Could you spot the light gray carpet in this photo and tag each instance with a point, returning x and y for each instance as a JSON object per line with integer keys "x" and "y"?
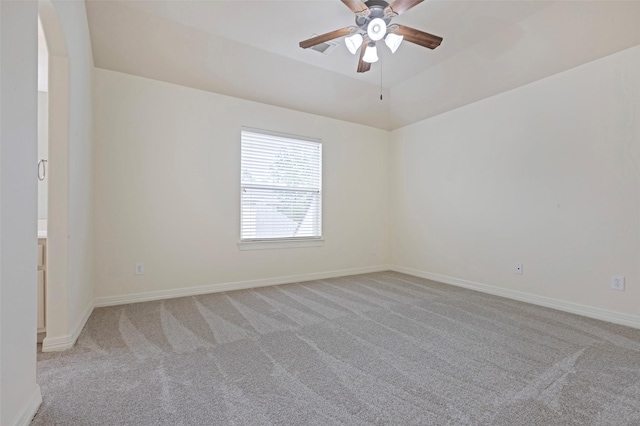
{"x": 381, "y": 348}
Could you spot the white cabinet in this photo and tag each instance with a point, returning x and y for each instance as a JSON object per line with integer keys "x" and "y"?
{"x": 42, "y": 285}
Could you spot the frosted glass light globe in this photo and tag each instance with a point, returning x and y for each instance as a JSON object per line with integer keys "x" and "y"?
{"x": 393, "y": 41}
{"x": 376, "y": 29}
{"x": 353, "y": 42}
{"x": 371, "y": 54}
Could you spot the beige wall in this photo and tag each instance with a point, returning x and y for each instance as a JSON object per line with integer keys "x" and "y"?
{"x": 73, "y": 18}
{"x": 19, "y": 393}
{"x": 70, "y": 229}
{"x": 547, "y": 174}
{"x": 167, "y": 163}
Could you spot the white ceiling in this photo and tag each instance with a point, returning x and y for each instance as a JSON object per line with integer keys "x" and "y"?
{"x": 249, "y": 49}
{"x": 278, "y": 26}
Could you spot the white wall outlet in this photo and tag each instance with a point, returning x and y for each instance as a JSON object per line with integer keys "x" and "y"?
{"x": 139, "y": 269}
{"x": 374, "y": 250}
{"x": 617, "y": 282}
{"x": 518, "y": 269}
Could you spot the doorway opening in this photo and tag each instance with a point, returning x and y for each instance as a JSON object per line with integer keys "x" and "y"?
{"x": 43, "y": 159}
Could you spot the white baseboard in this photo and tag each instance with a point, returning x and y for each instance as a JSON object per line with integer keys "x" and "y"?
{"x": 66, "y": 342}
{"x": 237, "y": 285}
{"x": 30, "y": 409}
{"x": 548, "y": 302}
{"x": 62, "y": 343}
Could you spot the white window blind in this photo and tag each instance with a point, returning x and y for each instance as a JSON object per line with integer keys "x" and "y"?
{"x": 281, "y": 187}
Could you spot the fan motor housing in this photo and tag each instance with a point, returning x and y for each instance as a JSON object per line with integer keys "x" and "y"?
{"x": 376, "y": 8}
{"x": 376, "y": 3}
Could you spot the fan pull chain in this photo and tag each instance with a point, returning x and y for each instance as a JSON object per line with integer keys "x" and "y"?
{"x": 380, "y": 81}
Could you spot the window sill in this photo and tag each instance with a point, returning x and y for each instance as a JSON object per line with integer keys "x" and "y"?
{"x": 279, "y": 244}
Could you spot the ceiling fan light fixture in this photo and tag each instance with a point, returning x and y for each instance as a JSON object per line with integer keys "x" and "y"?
{"x": 373, "y": 23}
{"x": 393, "y": 41}
{"x": 370, "y": 54}
{"x": 376, "y": 29}
{"x": 353, "y": 42}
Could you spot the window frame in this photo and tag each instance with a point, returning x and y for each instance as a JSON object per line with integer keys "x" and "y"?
{"x": 282, "y": 242}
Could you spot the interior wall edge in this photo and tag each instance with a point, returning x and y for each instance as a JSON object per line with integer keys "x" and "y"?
{"x": 547, "y": 302}
{"x": 64, "y": 342}
{"x": 30, "y": 408}
{"x": 229, "y": 286}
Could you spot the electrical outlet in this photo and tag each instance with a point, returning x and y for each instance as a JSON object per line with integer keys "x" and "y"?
{"x": 518, "y": 269}
{"x": 139, "y": 269}
{"x": 617, "y": 282}
{"x": 374, "y": 250}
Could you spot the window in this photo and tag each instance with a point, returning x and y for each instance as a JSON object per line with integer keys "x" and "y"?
{"x": 281, "y": 187}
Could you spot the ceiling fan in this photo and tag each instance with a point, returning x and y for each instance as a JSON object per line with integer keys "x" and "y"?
{"x": 373, "y": 23}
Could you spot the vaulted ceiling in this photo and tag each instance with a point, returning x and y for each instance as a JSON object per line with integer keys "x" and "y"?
{"x": 249, "y": 50}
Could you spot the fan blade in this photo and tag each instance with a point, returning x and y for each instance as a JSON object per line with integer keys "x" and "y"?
{"x": 398, "y": 7}
{"x": 326, "y": 37}
{"x": 419, "y": 37}
{"x": 362, "y": 65}
{"x": 357, "y": 7}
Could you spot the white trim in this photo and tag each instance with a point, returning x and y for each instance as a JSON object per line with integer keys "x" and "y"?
{"x": 30, "y": 409}
{"x": 62, "y": 343}
{"x": 67, "y": 342}
{"x": 284, "y": 243}
{"x": 237, "y": 285}
{"x": 256, "y": 157}
{"x": 279, "y": 134}
{"x": 548, "y": 302}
